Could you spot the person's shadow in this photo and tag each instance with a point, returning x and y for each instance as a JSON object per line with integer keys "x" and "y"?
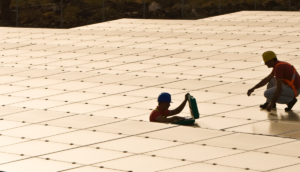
{"x": 282, "y": 116}
{"x": 196, "y": 125}
{"x": 285, "y": 122}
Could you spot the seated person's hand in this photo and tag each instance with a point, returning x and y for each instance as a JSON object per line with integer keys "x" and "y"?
{"x": 187, "y": 96}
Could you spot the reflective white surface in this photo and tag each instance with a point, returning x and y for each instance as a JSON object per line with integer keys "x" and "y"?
{"x": 79, "y": 99}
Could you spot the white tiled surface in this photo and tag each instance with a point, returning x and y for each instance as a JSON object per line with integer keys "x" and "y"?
{"x": 76, "y": 103}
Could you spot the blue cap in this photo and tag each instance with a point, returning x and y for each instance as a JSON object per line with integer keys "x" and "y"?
{"x": 164, "y": 97}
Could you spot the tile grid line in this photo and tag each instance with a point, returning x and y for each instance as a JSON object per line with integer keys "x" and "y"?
{"x": 87, "y": 144}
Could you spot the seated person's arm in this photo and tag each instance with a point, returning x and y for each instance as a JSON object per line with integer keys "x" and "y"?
{"x": 179, "y": 108}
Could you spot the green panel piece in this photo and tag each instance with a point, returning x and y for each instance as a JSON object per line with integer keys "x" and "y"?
{"x": 193, "y": 107}
{"x": 189, "y": 121}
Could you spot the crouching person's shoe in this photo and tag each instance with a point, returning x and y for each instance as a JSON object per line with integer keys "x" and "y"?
{"x": 264, "y": 106}
{"x": 291, "y": 104}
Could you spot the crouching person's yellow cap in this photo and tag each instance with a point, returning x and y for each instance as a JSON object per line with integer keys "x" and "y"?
{"x": 268, "y": 55}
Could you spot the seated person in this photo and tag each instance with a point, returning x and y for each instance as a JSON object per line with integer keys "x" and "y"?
{"x": 162, "y": 112}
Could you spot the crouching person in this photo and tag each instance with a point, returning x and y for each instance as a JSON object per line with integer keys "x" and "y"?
{"x": 163, "y": 114}
{"x": 283, "y": 83}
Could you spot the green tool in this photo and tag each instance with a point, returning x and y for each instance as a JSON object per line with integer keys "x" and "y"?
{"x": 194, "y": 113}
